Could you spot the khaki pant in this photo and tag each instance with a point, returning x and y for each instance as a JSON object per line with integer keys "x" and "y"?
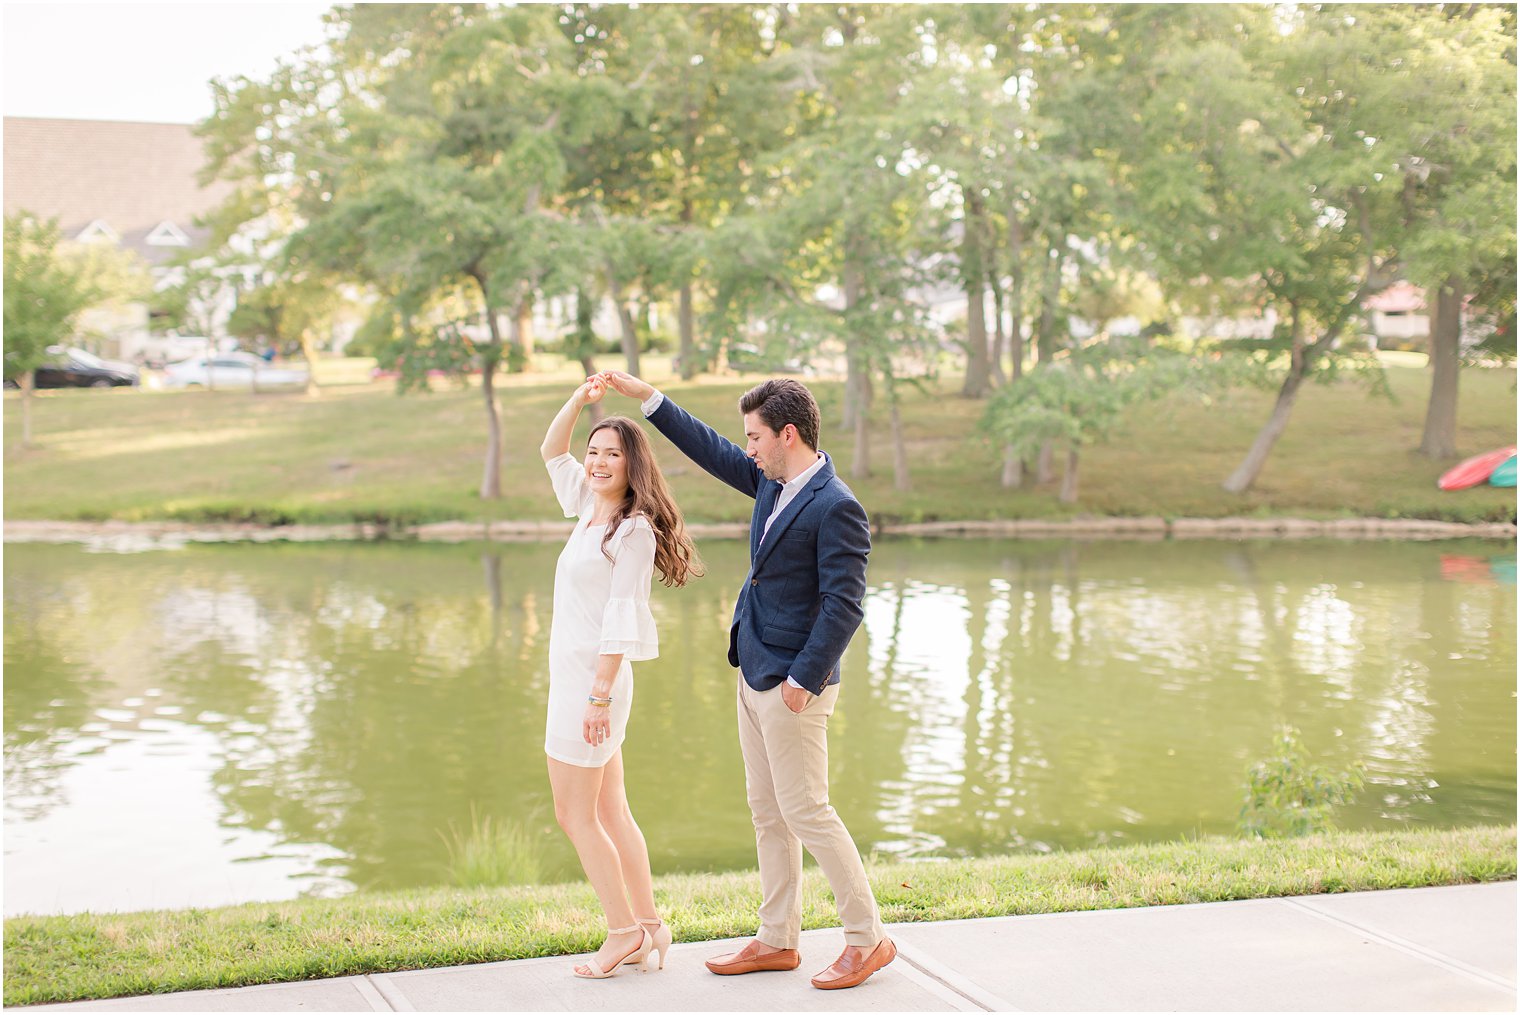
{"x": 786, "y": 773}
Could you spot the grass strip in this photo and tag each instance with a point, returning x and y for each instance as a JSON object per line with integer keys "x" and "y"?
{"x": 67, "y": 958}
{"x": 360, "y": 453}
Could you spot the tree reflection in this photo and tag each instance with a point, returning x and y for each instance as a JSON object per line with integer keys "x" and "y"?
{"x": 1001, "y": 695}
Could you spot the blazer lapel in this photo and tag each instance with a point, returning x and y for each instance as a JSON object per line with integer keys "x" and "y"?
{"x": 791, "y": 511}
{"x": 765, "y": 503}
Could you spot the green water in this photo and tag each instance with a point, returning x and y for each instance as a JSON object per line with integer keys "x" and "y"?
{"x": 225, "y": 723}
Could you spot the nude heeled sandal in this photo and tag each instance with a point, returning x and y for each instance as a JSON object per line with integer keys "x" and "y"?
{"x": 659, "y": 939}
{"x": 635, "y": 956}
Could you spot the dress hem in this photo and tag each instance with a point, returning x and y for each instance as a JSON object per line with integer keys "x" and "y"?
{"x": 581, "y": 764}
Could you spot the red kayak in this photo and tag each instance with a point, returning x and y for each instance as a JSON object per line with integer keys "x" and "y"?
{"x": 1475, "y": 470}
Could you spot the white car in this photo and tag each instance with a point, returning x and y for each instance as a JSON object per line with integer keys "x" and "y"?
{"x": 231, "y": 370}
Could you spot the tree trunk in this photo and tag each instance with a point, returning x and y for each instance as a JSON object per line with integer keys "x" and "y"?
{"x": 999, "y": 335}
{"x": 1013, "y": 469}
{"x": 28, "y": 385}
{"x": 630, "y": 331}
{"x": 520, "y": 355}
{"x": 973, "y": 276}
{"x": 1016, "y": 293}
{"x": 685, "y": 318}
{"x": 584, "y": 339}
{"x": 309, "y": 354}
{"x": 1045, "y": 469}
{"x": 856, "y": 386}
{"x": 688, "y": 351}
{"x": 1298, "y": 371}
{"x": 1440, "y": 437}
{"x": 901, "y": 481}
{"x": 1245, "y": 474}
{"x": 1069, "y": 478}
{"x": 860, "y": 466}
{"x": 490, "y": 480}
{"x": 1050, "y": 300}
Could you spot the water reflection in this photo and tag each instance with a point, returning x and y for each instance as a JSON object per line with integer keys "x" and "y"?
{"x": 222, "y": 723}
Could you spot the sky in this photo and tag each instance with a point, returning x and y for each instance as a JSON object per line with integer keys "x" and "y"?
{"x": 136, "y": 61}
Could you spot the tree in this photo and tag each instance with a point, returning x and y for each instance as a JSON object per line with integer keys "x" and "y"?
{"x": 1458, "y": 170}
{"x": 1080, "y": 400}
{"x": 422, "y": 158}
{"x": 830, "y": 248}
{"x": 290, "y": 309}
{"x": 49, "y": 284}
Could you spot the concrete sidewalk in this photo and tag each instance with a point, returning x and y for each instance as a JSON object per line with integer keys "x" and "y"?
{"x": 1422, "y": 949}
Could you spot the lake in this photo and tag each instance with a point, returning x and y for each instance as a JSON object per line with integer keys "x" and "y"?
{"x": 224, "y": 723}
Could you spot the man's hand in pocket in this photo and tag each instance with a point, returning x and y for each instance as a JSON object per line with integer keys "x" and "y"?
{"x": 796, "y": 698}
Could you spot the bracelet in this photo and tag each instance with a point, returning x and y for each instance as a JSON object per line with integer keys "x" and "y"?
{"x": 599, "y": 702}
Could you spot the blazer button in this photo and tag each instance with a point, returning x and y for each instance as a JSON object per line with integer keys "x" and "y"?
{"x": 754, "y": 581}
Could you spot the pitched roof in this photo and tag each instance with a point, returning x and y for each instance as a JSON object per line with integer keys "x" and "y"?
{"x": 1399, "y": 298}
{"x": 131, "y": 176}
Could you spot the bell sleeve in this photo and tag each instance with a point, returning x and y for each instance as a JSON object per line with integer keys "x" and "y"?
{"x": 627, "y": 625}
{"x": 570, "y": 486}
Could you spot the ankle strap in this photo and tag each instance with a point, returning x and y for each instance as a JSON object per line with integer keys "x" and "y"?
{"x": 652, "y": 920}
{"x": 624, "y": 930}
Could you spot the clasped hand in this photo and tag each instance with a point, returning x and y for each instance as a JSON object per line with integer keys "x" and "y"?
{"x": 594, "y": 387}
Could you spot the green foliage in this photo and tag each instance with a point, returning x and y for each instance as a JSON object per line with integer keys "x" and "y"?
{"x": 50, "y": 283}
{"x": 492, "y": 854}
{"x": 1288, "y": 795}
{"x": 43, "y": 297}
{"x": 1080, "y": 399}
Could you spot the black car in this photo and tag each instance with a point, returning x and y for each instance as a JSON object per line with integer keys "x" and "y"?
{"x": 74, "y": 368}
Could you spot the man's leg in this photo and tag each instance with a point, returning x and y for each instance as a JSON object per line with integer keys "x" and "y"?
{"x": 778, "y": 850}
{"x": 797, "y": 748}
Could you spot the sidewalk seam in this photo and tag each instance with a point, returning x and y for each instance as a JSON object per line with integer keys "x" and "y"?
{"x": 951, "y": 979}
{"x": 1394, "y": 941}
{"x": 388, "y": 993}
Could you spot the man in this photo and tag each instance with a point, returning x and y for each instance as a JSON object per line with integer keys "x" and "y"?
{"x": 796, "y": 611}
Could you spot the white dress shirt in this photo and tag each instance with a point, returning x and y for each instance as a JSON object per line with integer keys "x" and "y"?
{"x": 789, "y": 490}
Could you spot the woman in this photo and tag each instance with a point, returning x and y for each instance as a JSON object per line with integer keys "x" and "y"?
{"x": 628, "y": 526}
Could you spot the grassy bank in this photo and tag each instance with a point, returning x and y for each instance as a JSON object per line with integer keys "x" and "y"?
{"x": 73, "y": 957}
{"x": 361, "y": 452}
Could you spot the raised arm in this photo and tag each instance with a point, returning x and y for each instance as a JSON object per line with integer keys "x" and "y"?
{"x": 557, "y": 439}
{"x": 716, "y": 454}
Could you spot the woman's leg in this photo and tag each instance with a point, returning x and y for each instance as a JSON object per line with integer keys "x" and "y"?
{"x": 576, "y": 791}
{"x": 614, "y": 816}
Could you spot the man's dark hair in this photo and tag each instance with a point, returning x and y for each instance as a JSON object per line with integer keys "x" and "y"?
{"x": 782, "y": 401}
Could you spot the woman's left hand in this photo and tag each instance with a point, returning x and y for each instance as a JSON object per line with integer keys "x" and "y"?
{"x": 591, "y": 390}
{"x": 597, "y": 725}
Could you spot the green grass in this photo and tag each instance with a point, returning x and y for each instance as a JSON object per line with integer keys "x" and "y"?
{"x": 363, "y": 453}
{"x": 90, "y": 956}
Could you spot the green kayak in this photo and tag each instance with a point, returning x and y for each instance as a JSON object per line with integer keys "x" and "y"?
{"x": 1504, "y": 475}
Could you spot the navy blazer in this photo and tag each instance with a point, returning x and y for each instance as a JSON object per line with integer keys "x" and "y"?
{"x": 800, "y": 603}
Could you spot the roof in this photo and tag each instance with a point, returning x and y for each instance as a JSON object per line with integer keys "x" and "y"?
{"x": 1399, "y": 298}
{"x": 131, "y": 176}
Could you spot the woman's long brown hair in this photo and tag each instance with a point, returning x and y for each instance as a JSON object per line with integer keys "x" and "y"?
{"x": 675, "y": 556}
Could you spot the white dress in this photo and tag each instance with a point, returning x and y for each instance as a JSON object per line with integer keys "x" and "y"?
{"x": 600, "y": 607}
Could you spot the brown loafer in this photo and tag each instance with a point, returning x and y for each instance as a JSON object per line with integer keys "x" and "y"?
{"x": 851, "y": 970}
{"x": 750, "y": 959}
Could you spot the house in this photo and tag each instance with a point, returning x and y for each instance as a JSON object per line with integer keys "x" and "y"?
{"x": 1397, "y": 315}
{"x": 130, "y": 184}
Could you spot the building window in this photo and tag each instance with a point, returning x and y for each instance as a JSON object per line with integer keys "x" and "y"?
{"x": 167, "y": 234}
{"x": 97, "y": 230}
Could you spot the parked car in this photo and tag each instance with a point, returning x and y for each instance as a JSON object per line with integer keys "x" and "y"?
{"x": 67, "y": 367}
{"x": 161, "y": 350}
{"x": 231, "y": 370}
